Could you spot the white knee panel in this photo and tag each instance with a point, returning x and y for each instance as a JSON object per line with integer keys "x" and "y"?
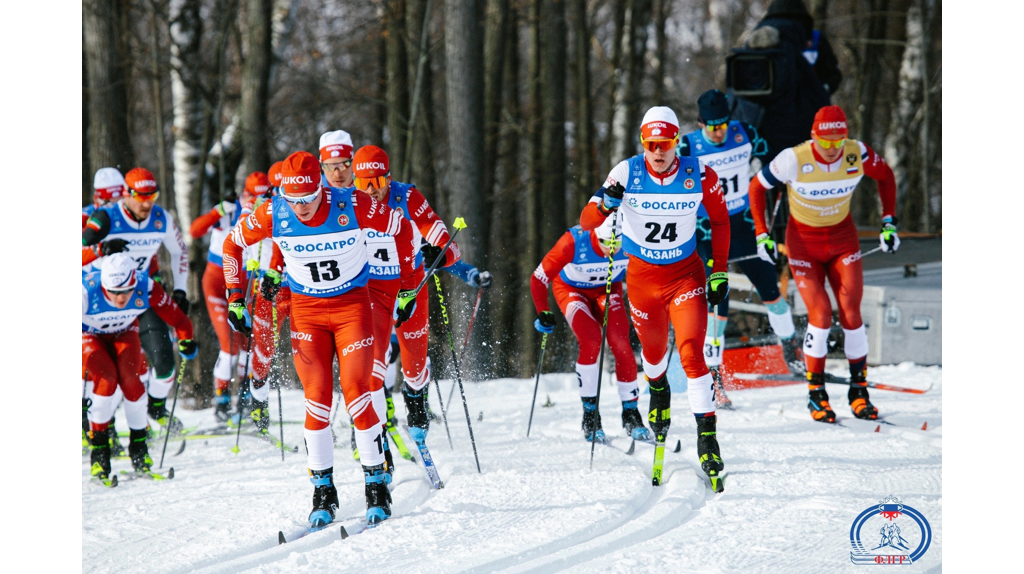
{"x": 701, "y": 392}
{"x": 587, "y": 377}
{"x": 816, "y": 342}
{"x": 856, "y": 345}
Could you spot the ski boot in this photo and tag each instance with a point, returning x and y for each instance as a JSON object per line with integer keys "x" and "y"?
{"x": 99, "y": 455}
{"x": 389, "y": 463}
{"x": 721, "y": 399}
{"x": 659, "y": 414}
{"x": 707, "y": 449}
{"x": 416, "y": 414}
{"x": 591, "y": 425}
{"x": 261, "y": 416}
{"x": 222, "y": 409}
{"x": 325, "y": 497}
{"x": 858, "y": 395}
{"x": 793, "y": 355}
{"x": 138, "y": 451}
{"x": 116, "y": 450}
{"x": 158, "y": 411}
{"x": 86, "y": 403}
{"x": 817, "y": 400}
{"x": 633, "y": 422}
{"x": 378, "y": 497}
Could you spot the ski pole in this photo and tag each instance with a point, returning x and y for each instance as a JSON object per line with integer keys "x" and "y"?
{"x": 181, "y": 371}
{"x": 459, "y": 224}
{"x": 604, "y": 330}
{"x": 280, "y": 408}
{"x": 536, "y": 383}
{"x": 250, "y": 294}
{"x": 444, "y": 414}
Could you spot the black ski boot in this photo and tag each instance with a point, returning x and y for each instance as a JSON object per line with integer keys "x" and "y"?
{"x": 138, "y": 451}
{"x": 416, "y": 414}
{"x": 86, "y": 403}
{"x": 158, "y": 411}
{"x": 100, "y": 454}
{"x": 793, "y": 355}
{"x": 659, "y": 412}
{"x": 389, "y": 463}
{"x": 261, "y": 416}
{"x": 116, "y": 450}
{"x": 707, "y": 449}
{"x": 633, "y": 422}
{"x": 378, "y": 497}
{"x": 591, "y": 426}
{"x": 858, "y": 395}
{"x": 817, "y": 399}
{"x": 222, "y": 405}
{"x": 325, "y": 497}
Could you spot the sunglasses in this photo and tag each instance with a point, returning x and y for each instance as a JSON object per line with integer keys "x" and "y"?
{"x": 116, "y": 292}
{"x": 660, "y": 145}
{"x": 825, "y": 144}
{"x": 302, "y": 199}
{"x": 342, "y": 165}
{"x": 379, "y": 182}
{"x": 715, "y": 128}
{"x": 144, "y": 197}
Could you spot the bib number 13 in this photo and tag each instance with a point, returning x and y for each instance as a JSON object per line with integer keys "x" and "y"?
{"x": 329, "y": 268}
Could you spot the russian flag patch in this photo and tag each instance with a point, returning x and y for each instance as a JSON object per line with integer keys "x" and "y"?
{"x": 850, "y": 170}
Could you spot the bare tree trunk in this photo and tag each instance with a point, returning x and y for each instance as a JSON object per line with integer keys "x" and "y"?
{"x": 819, "y": 11}
{"x": 421, "y": 143}
{"x": 495, "y": 37}
{"x": 465, "y": 93}
{"x": 397, "y": 89}
{"x": 904, "y": 137}
{"x": 109, "y": 139}
{"x": 585, "y": 148}
{"x": 87, "y": 175}
{"x": 530, "y": 248}
{"x": 255, "y": 82}
{"x": 186, "y": 32}
{"x": 662, "y": 8}
{"x": 167, "y": 198}
{"x": 625, "y": 125}
{"x": 553, "y": 75}
{"x": 865, "y": 203}
{"x": 617, "y": 77}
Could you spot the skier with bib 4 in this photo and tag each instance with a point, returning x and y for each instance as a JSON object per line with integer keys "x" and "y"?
{"x": 657, "y": 195}
{"x": 821, "y": 240}
{"x": 320, "y": 231}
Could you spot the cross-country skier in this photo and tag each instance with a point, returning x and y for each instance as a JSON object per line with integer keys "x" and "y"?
{"x": 657, "y": 195}
{"x": 112, "y": 301}
{"x": 372, "y": 175}
{"x": 320, "y": 233}
{"x": 578, "y": 264}
{"x": 732, "y": 149}
{"x": 822, "y": 242}
{"x": 218, "y": 222}
{"x": 145, "y": 226}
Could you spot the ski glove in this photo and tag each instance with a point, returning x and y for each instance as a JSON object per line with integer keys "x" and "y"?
{"x": 115, "y": 245}
{"x": 718, "y": 288}
{"x": 481, "y": 280}
{"x": 888, "y": 238}
{"x": 430, "y": 254}
{"x": 545, "y": 322}
{"x": 181, "y": 299}
{"x": 404, "y": 307}
{"x": 612, "y": 197}
{"x": 226, "y": 208}
{"x": 767, "y": 249}
{"x": 270, "y": 285}
{"x": 239, "y": 319}
{"x": 188, "y": 348}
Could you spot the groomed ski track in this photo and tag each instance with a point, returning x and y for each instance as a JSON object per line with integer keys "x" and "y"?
{"x": 793, "y": 489}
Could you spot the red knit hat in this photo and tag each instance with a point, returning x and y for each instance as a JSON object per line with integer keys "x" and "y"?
{"x": 274, "y": 175}
{"x": 141, "y": 181}
{"x": 829, "y": 121}
{"x": 257, "y": 183}
{"x": 300, "y": 173}
{"x": 370, "y": 161}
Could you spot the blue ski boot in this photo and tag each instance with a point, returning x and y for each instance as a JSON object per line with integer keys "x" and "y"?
{"x": 378, "y": 497}
{"x": 416, "y": 414}
{"x": 325, "y": 497}
{"x": 633, "y": 422}
{"x": 592, "y": 421}
{"x": 222, "y": 407}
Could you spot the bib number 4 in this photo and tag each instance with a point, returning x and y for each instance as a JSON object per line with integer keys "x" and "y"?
{"x": 668, "y": 234}
{"x": 329, "y": 267}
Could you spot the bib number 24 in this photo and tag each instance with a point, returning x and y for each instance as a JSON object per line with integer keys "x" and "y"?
{"x": 329, "y": 268}
{"x": 669, "y": 233}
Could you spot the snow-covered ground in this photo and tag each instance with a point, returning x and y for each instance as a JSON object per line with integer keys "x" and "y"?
{"x": 794, "y": 488}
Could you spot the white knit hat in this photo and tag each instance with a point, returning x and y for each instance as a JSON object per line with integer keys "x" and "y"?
{"x": 336, "y": 144}
{"x": 659, "y": 122}
{"x": 118, "y": 272}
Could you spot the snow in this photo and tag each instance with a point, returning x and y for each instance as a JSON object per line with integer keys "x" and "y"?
{"x": 793, "y": 490}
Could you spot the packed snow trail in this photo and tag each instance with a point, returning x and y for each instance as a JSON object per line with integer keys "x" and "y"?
{"x": 793, "y": 490}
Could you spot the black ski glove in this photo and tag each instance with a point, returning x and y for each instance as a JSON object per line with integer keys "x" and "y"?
{"x": 718, "y": 288}
{"x": 116, "y": 245}
{"x": 181, "y": 299}
{"x": 430, "y": 254}
{"x": 270, "y": 285}
{"x": 612, "y": 198}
